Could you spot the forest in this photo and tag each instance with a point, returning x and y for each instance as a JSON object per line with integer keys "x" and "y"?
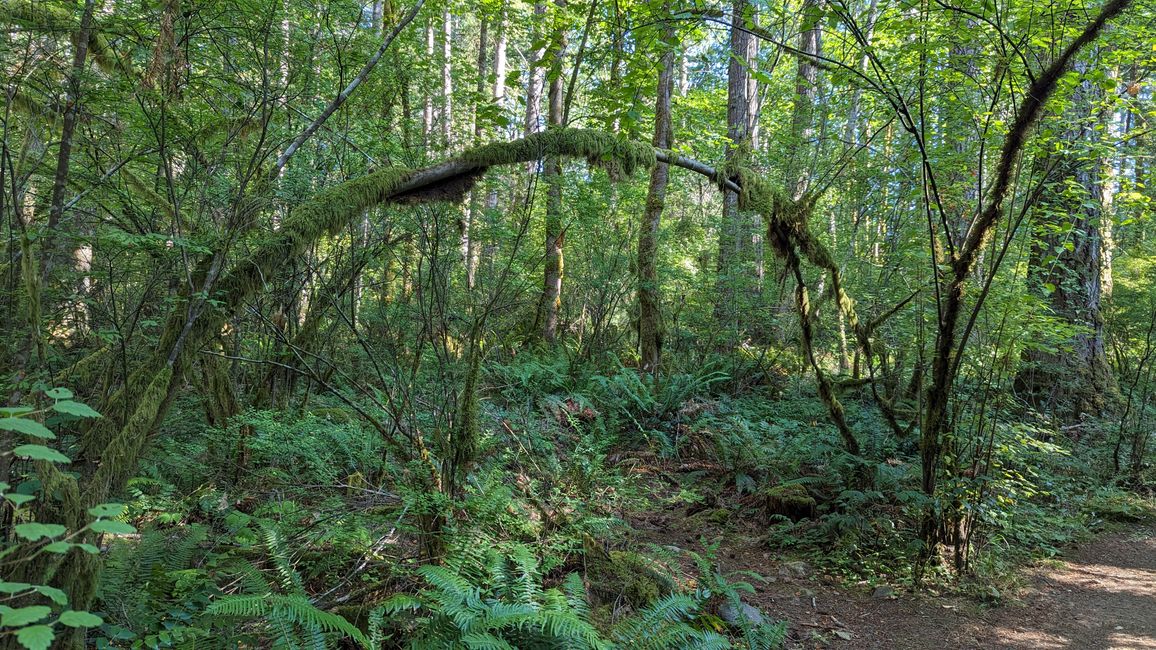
{"x": 516, "y": 324}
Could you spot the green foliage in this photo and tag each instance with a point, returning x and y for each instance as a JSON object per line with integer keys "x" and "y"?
{"x": 35, "y": 627}
{"x": 303, "y": 385}
{"x": 647, "y": 406}
{"x": 505, "y": 605}
{"x": 291, "y": 615}
{"x": 507, "y": 608}
{"x": 715, "y": 587}
{"x": 305, "y": 451}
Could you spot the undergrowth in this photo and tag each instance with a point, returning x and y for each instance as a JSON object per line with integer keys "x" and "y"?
{"x": 300, "y": 528}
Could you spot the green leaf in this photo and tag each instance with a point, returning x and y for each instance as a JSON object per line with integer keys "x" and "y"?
{"x": 88, "y": 548}
{"x": 24, "y": 615}
{"x": 34, "y": 531}
{"x": 58, "y": 547}
{"x": 112, "y": 527}
{"x": 37, "y": 637}
{"x": 13, "y": 587}
{"x": 40, "y": 452}
{"x": 19, "y": 499}
{"x": 55, "y": 595}
{"x": 24, "y": 425}
{"x": 80, "y": 619}
{"x": 58, "y": 393}
{"x": 119, "y": 633}
{"x": 70, "y": 407}
{"x": 13, "y": 411}
{"x": 102, "y": 510}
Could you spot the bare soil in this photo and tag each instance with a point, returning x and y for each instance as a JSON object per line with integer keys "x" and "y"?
{"x": 1100, "y": 595}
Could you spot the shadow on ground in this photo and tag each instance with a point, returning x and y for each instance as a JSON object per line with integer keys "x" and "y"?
{"x": 1101, "y": 596}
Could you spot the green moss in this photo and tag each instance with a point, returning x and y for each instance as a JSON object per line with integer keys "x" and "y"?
{"x": 791, "y": 500}
{"x": 618, "y": 156}
{"x": 119, "y": 458}
{"x": 630, "y": 575}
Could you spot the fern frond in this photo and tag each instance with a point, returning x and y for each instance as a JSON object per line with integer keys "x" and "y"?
{"x": 277, "y": 610}
{"x": 241, "y": 606}
{"x": 566, "y": 625}
{"x": 377, "y": 635}
{"x": 528, "y": 589}
{"x": 485, "y": 641}
{"x": 399, "y": 603}
{"x": 290, "y": 579}
{"x": 450, "y": 585}
{"x": 575, "y": 590}
{"x": 671, "y": 609}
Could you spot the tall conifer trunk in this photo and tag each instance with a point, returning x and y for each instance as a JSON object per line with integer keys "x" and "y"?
{"x": 742, "y": 51}
{"x": 1067, "y": 267}
{"x": 649, "y": 297}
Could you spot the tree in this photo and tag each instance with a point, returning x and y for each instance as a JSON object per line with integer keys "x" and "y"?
{"x": 1067, "y": 262}
{"x": 740, "y": 102}
{"x": 649, "y": 296}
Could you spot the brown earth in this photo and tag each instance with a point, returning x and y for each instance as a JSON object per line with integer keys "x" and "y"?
{"x": 1100, "y": 595}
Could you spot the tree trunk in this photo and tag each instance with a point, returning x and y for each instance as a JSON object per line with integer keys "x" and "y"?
{"x": 535, "y": 76}
{"x": 447, "y": 78}
{"x": 48, "y": 250}
{"x": 427, "y": 112}
{"x": 742, "y": 50}
{"x": 851, "y": 141}
{"x": 491, "y": 205}
{"x": 469, "y": 246}
{"x": 555, "y": 236}
{"x": 649, "y": 297}
{"x": 798, "y": 177}
{"x": 1067, "y": 270}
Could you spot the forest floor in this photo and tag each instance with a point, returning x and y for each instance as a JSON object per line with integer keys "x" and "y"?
{"x": 1100, "y": 594}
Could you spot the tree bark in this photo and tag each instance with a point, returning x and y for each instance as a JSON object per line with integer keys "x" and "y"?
{"x": 499, "y": 94}
{"x": 447, "y": 78}
{"x": 551, "y": 300}
{"x": 48, "y": 249}
{"x": 427, "y": 111}
{"x": 798, "y": 177}
{"x": 535, "y": 76}
{"x": 1066, "y": 269}
{"x": 650, "y": 332}
{"x": 469, "y": 246}
{"x": 742, "y": 50}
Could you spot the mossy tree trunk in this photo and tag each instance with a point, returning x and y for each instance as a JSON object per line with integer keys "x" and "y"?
{"x": 649, "y": 297}
{"x": 551, "y": 300}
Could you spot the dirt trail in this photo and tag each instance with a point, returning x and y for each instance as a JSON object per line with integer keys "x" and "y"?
{"x": 1101, "y": 595}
